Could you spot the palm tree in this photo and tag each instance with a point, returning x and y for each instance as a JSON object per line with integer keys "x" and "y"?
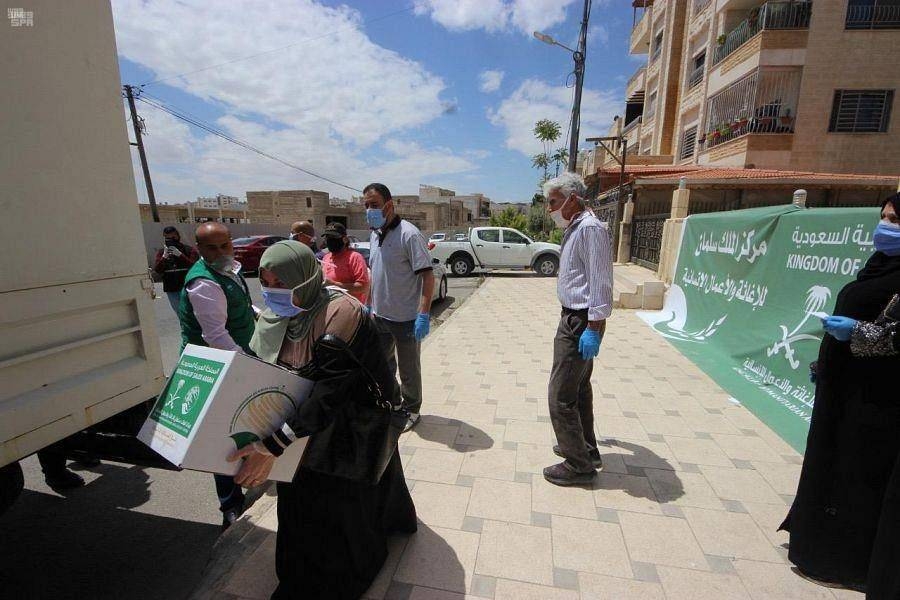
{"x": 560, "y": 157}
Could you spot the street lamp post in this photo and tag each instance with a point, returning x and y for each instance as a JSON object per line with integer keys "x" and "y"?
{"x": 579, "y": 57}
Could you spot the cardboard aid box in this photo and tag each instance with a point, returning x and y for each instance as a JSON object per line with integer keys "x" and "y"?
{"x": 217, "y": 401}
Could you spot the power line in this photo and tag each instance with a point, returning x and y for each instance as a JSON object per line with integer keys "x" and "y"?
{"x": 196, "y": 122}
{"x": 272, "y": 51}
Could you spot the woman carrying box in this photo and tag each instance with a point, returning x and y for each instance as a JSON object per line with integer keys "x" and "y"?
{"x": 349, "y": 492}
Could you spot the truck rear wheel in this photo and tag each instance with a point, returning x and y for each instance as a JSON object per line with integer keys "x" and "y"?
{"x": 461, "y": 265}
{"x": 546, "y": 265}
{"x": 11, "y": 483}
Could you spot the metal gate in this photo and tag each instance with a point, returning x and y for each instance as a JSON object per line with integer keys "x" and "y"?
{"x": 646, "y": 239}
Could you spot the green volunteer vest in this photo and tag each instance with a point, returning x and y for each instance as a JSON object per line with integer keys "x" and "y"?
{"x": 241, "y": 319}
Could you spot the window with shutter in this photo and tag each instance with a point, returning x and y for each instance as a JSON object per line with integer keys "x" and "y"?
{"x": 861, "y": 111}
{"x": 688, "y": 143}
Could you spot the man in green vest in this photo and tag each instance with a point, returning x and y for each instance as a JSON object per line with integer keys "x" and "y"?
{"x": 216, "y": 311}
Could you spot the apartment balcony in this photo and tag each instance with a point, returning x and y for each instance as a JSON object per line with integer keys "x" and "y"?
{"x": 640, "y": 33}
{"x": 880, "y": 15}
{"x": 632, "y": 134}
{"x": 769, "y": 16}
{"x": 763, "y": 103}
{"x": 699, "y": 6}
{"x": 634, "y": 89}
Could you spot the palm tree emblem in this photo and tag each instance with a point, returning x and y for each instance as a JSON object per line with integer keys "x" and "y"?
{"x": 816, "y": 298}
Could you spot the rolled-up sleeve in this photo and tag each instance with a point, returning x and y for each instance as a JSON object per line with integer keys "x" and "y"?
{"x": 211, "y": 310}
{"x": 598, "y": 271}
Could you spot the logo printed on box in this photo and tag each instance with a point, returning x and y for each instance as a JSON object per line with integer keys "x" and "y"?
{"x": 177, "y": 407}
{"x": 259, "y": 414}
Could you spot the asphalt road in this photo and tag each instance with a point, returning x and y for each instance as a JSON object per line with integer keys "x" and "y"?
{"x": 131, "y": 532}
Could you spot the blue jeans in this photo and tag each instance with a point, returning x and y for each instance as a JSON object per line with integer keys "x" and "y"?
{"x": 174, "y": 300}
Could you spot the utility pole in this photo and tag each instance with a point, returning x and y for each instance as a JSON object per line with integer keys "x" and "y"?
{"x": 579, "y": 56}
{"x": 129, "y": 94}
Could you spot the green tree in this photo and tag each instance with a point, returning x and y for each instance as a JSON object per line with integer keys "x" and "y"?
{"x": 556, "y": 236}
{"x": 547, "y": 132}
{"x": 560, "y": 157}
{"x": 510, "y": 217}
{"x": 539, "y": 223}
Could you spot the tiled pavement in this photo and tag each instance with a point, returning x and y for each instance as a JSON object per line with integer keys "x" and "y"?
{"x": 686, "y": 507}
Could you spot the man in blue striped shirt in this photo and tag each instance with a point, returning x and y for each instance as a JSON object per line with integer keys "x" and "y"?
{"x": 584, "y": 289}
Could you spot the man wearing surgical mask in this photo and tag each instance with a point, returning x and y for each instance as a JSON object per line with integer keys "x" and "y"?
{"x": 584, "y": 288}
{"x": 400, "y": 291}
{"x": 216, "y": 311}
{"x": 305, "y": 233}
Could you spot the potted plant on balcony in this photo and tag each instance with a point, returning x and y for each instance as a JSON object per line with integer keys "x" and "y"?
{"x": 721, "y": 39}
{"x": 702, "y": 139}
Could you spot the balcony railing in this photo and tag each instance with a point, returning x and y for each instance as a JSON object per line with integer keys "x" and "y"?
{"x": 771, "y": 15}
{"x": 634, "y": 78}
{"x": 765, "y": 101}
{"x": 699, "y": 5}
{"x": 874, "y": 16}
{"x": 696, "y": 77}
{"x": 631, "y": 126}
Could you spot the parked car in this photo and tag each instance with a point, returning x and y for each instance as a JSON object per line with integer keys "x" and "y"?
{"x": 248, "y": 250}
{"x": 497, "y": 248}
{"x": 437, "y": 237}
{"x": 440, "y": 273}
{"x": 460, "y": 237}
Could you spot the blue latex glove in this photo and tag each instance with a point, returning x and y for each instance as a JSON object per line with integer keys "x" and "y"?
{"x": 589, "y": 344}
{"x": 423, "y": 326}
{"x": 839, "y": 327}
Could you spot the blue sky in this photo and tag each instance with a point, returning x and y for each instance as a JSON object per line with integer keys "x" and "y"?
{"x": 439, "y": 92}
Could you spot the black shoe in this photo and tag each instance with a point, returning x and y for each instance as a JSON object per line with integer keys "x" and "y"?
{"x": 595, "y": 456}
{"x": 560, "y": 474}
{"x": 411, "y": 422}
{"x": 230, "y": 516}
{"x": 830, "y": 583}
{"x": 64, "y": 480}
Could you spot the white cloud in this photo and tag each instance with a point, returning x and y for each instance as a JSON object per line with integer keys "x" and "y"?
{"x": 324, "y": 100}
{"x": 525, "y": 16}
{"x": 490, "y": 80}
{"x": 598, "y": 34}
{"x": 535, "y": 100}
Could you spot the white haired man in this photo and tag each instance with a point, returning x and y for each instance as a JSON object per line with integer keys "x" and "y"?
{"x": 584, "y": 289}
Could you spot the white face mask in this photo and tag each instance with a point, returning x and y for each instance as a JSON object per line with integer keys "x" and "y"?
{"x": 557, "y": 217}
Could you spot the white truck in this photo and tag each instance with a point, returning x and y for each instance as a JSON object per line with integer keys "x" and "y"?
{"x": 497, "y": 248}
{"x": 80, "y": 345}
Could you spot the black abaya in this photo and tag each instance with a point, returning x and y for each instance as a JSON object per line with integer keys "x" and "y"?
{"x": 852, "y": 450}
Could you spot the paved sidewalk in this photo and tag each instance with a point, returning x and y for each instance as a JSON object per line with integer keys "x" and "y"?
{"x": 686, "y": 507}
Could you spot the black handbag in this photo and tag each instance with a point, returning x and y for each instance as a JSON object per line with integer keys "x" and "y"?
{"x": 362, "y": 437}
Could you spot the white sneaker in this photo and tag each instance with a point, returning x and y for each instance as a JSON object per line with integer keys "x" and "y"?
{"x": 411, "y": 422}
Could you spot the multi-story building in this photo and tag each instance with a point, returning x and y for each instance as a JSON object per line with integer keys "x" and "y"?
{"x": 217, "y": 201}
{"x": 783, "y": 84}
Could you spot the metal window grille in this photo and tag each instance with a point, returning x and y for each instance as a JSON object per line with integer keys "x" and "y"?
{"x": 688, "y": 143}
{"x": 657, "y": 47}
{"x": 873, "y": 14}
{"x": 696, "y": 75}
{"x": 651, "y": 106}
{"x": 771, "y": 15}
{"x": 764, "y": 101}
{"x": 861, "y": 111}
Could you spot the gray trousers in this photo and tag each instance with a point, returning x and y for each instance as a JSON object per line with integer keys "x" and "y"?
{"x": 400, "y": 343}
{"x": 570, "y": 395}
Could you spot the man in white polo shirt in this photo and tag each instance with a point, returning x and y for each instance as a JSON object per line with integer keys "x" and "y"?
{"x": 400, "y": 291}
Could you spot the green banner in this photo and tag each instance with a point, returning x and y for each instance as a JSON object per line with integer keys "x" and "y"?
{"x": 747, "y": 296}
{"x": 184, "y": 397}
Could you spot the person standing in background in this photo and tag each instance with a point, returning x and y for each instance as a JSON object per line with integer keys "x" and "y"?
{"x": 401, "y": 290}
{"x": 172, "y": 263}
{"x": 344, "y": 267}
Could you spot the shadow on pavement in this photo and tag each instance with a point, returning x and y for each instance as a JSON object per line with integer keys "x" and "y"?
{"x": 665, "y": 488}
{"x": 89, "y": 545}
{"x": 453, "y": 433}
{"x": 427, "y": 560}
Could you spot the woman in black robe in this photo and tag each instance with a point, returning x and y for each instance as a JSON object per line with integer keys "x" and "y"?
{"x": 854, "y": 441}
{"x": 332, "y": 530}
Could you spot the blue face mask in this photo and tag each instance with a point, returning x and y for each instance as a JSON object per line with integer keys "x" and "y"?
{"x": 374, "y": 217}
{"x": 280, "y": 302}
{"x": 887, "y": 238}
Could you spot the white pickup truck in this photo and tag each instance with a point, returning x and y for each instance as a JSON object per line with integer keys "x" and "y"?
{"x": 497, "y": 248}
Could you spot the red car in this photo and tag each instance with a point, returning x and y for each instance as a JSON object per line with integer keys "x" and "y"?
{"x": 248, "y": 250}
